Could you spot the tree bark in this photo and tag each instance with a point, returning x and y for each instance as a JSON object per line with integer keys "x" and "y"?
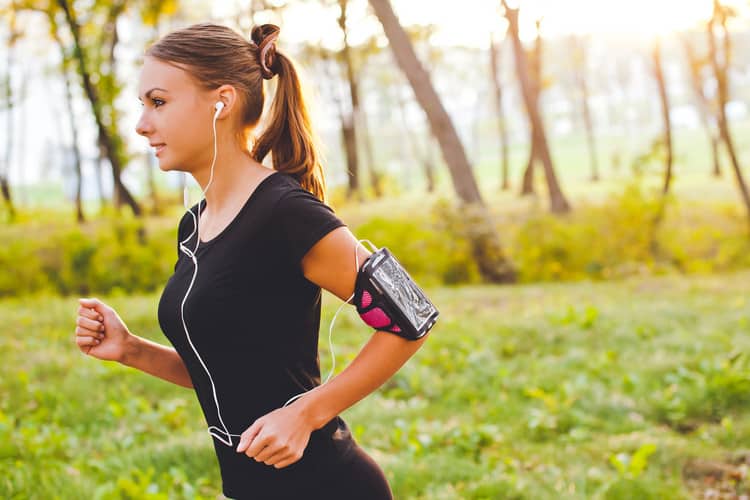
{"x": 664, "y": 101}
{"x": 721, "y": 73}
{"x": 535, "y": 87}
{"x": 558, "y": 202}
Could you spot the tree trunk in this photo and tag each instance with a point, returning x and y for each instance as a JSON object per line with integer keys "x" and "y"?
{"x": 486, "y": 247}
{"x": 9, "y": 101}
{"x": 106, "y": 139}
{"x": 664, "y": 101}
{"x": 440, "y": 123}
{"x": 411, "y": 138}
{"x": 80, "y": 217}
{"x": 558, "y": 202}
{"x": 695, "y": 66}
{"x": 535, "y": 80}
{"x": 579, "y": 64}
{"x": 350, "y": 128}
{"x": 495, "y": 60}
{"x": 375, "y": 179}
{"x": 721, "y": 73}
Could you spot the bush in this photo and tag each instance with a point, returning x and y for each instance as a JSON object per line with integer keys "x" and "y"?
{"x": 596, "y": 242}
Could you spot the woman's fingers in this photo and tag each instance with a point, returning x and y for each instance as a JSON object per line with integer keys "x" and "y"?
{"x": 85, "y": 332}
{"x": 276, "y": 457}
{"x": 89, "y": 313}
{"x": 90, "y": 324}
{"x": 84, "y": 341}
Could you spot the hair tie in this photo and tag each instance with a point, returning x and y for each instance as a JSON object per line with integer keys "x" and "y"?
{"x": 264, "y": 40}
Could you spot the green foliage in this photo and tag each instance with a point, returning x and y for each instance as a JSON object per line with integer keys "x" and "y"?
{"x": 705, "y": 391}
{"x": 611, "y": 240}
{"x": 530, "y": 391}
{"x": 432, "y": 256}
{"x": 109, "y": 258}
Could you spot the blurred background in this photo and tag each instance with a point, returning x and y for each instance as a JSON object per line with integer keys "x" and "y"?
{"x": 568, "y": 180}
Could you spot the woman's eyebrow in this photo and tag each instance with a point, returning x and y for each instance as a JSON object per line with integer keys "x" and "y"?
{"x": 148, "y": 94}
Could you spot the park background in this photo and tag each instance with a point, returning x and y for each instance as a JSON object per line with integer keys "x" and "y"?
{"x": 567, "y": 180}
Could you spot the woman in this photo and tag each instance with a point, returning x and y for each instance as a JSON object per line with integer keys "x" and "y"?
{"x": 244, "y": 328}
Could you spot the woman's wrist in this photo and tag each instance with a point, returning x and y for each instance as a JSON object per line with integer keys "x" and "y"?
{"x": 313, "y": 410}
{"x": 131, "y": 349}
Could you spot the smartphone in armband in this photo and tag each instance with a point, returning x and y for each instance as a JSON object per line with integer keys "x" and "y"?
{"x": 387, "y": 298}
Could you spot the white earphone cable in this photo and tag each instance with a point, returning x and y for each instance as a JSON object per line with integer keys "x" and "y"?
{"x": 220, "y": 433}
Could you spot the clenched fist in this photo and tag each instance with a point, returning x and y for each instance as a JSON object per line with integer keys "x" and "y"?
{"x": 100, "y": 332}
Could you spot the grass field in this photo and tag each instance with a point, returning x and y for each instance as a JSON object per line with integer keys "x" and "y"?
{"x": 632, "y": 389}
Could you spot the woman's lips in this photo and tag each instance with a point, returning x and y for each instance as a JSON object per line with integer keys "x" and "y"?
{"x": 159, "y": 149}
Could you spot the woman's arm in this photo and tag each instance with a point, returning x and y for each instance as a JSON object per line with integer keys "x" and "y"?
{"x": 378, "y": 361}
{"x": 279, "y": 438}
{"x": 157, "y": 360}
{"x": 331, "y": 265}
{"x": 102, "y": 334}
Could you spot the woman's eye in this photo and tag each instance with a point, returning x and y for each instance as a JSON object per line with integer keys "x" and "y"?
{"x": 157, "y": 102}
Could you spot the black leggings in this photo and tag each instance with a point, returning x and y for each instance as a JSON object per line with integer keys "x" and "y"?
{"x": 360, "y": 477}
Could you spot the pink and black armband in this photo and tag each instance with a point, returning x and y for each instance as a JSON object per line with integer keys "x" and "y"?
{"x": 388, "y": 299}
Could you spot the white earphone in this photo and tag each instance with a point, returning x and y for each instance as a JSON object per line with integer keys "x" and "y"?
{"x": 222, "y": 433}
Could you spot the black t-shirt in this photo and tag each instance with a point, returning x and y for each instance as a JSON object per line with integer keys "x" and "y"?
{"x": 254, "y": 318}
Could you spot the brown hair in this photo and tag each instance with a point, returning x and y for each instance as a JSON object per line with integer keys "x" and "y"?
{"x": 215, "y": 55}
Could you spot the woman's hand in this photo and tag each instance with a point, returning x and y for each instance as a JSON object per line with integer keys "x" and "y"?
{"x": 278, "y": 438}
{"x": 100, "y": 332}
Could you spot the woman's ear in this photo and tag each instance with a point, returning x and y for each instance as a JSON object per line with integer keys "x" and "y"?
{"x": 228, "y": 95}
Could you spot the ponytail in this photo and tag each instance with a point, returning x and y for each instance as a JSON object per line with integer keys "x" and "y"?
{"x": 289, "y": 136}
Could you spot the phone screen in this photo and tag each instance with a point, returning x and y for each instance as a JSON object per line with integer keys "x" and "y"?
{"x": 403, "y": 292}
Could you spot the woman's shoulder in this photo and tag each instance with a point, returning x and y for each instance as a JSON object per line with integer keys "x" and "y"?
{"x": 290, "y": 196}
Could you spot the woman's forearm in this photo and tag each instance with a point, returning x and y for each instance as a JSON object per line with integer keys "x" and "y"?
{"x": 157, "y": 360}
{"x": 378, "y": 360}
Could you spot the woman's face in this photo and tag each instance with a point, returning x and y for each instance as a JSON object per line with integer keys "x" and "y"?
{"x": 177, "y": 114}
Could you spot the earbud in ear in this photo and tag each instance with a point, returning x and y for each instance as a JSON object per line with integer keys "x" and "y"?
{"x": 219, "y": 106}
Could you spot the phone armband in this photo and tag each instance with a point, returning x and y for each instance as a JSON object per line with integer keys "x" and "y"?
{"x": 388, "y": 299}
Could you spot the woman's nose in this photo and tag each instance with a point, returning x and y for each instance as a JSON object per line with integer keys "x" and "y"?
{"x": 142, "y": 128}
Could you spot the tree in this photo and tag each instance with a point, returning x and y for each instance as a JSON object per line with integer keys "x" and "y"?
{"x": 696, "y": 65}
{"x": 558, "y": 202}
{"x": 720, "y": 65}
{"x": 666, "y": 141}
{"x": 495, "y": 64}
{"x": 109, "y": 139}
{"x": 664, "y": 101}
{"x": 534, "y": 63}
{"x": 14, "y": 35}
{"x": 65, "y": 71}
{"x": 578, "y": 54}
{"x": 485, "y": 245}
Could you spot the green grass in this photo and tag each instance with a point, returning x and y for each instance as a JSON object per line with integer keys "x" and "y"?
{"x": 585, "y": 390}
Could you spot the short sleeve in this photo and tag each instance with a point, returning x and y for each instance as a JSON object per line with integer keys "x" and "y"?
{"x": 302, "y": 220}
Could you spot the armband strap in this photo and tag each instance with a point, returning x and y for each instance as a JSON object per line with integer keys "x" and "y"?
{"x": 371, "y": 307}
